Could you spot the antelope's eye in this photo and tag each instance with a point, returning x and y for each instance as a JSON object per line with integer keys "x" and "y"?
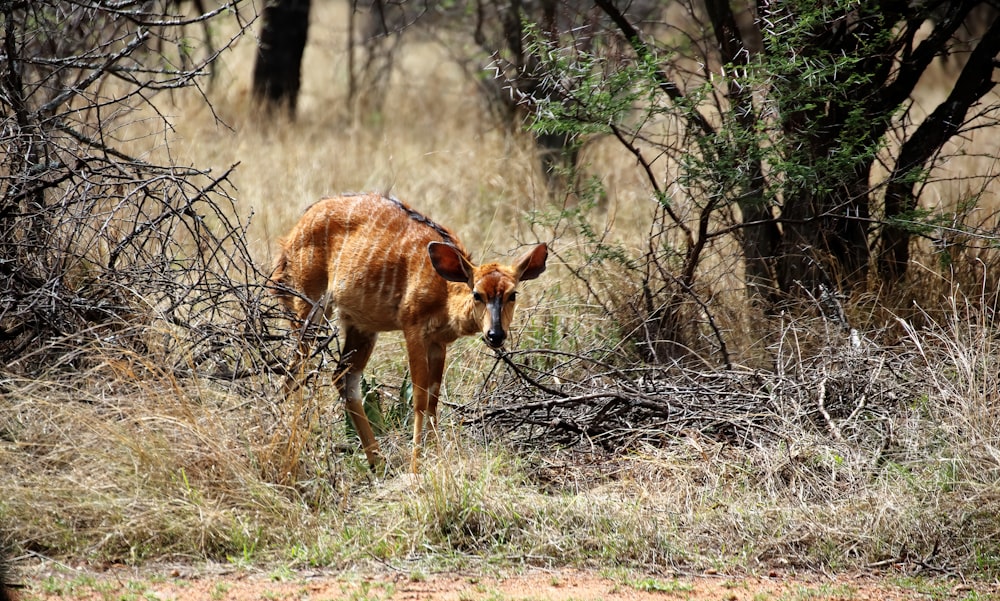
{"x": 477, "y": 297}
{"x": 512, "y": 297}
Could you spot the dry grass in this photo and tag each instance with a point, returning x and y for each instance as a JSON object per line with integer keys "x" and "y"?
{"x": 107, "y": 467}
{"x": 119, "y": 461}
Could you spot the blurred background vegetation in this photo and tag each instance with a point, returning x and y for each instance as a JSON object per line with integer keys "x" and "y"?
{"x": 767, "y": 336}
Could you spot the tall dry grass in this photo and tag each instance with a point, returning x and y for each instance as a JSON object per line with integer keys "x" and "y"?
{"x": 113, "y": 459}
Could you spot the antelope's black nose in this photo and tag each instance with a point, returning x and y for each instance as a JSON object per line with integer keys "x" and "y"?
{"x": 495, "y": 338}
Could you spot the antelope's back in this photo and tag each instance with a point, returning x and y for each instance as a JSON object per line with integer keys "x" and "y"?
{"x": 370, "y": 253}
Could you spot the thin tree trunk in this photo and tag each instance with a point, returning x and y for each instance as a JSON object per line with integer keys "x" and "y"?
{"x": 277, "y": 71}
{"x": 760, "y": 236}
{"x": 973, "y": 83}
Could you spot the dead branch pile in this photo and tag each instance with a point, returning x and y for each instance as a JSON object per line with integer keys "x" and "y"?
{"x": 105, "y": 254}
{"x": 545, "y": 400}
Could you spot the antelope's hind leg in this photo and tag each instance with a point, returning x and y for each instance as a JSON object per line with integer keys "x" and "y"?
{"x": 355, "y": 354}
{"x": 305, "y": 327}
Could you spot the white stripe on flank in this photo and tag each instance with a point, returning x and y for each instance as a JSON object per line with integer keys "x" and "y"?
{"x": 335, "y": 277}
{"x": 387, "y": 247}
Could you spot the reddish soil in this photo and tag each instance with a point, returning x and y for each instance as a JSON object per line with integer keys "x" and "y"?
{"x": 559, "y": 585}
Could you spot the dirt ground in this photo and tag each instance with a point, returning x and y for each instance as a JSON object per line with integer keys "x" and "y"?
{"x": 537, "y": 585}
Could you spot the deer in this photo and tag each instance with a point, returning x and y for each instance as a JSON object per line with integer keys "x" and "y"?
{"x": 386, "y": 267}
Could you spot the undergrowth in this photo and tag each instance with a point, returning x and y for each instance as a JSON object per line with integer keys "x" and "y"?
{"x": 112, "y": 471}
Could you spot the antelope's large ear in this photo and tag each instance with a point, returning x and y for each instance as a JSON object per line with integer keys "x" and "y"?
{"x": 450, "y": 263}
{"x": 532, "y": 264}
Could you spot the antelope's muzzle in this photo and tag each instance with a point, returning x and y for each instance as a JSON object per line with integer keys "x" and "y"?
{"x": 495, "y": 335}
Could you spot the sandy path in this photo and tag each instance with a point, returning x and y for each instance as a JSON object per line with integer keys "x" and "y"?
{"x": 560, "y": 585}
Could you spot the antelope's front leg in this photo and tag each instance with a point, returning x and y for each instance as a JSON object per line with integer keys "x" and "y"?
{"x": 435, "y": 375}
{"x": 426, "y": 368}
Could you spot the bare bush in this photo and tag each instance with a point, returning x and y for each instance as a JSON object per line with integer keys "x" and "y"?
{"x": 101, "y": 247}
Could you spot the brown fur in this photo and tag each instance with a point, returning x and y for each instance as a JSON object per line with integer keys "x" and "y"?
{"x": 387, "y": 267}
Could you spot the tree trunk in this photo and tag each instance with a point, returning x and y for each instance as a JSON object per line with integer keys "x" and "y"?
{"x": 848, "y": 217}
{"x": 760, "y": 236}
{"x": 26, "y": 195}
{"x": 973, "y": 83}
{"x": 277, "y": 71}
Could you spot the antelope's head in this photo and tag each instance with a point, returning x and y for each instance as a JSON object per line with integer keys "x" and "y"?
{"x": 493, "y": 286}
